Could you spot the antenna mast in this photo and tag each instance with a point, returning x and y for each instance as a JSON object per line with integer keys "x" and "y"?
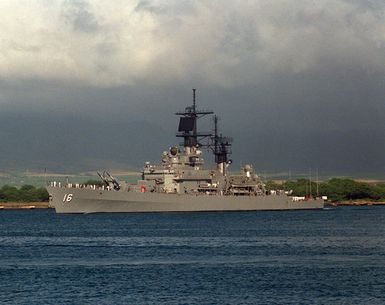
{"x": 188, "y": 124}
{"x": 222, "y": 148}
{"x": 188, "y": 130}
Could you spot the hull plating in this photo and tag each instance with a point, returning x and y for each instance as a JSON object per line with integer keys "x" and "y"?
{"x": 72, "y": 200}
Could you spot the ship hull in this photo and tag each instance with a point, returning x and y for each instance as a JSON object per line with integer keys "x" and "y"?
{"x": 76, "y": 200}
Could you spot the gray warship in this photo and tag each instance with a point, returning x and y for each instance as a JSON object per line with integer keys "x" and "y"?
{"x": 181, "y": 182}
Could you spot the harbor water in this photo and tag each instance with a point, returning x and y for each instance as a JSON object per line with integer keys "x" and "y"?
{"x": 333, "y": 256}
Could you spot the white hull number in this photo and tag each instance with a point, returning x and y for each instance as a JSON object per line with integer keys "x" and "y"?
{"x": 67, "y": 197}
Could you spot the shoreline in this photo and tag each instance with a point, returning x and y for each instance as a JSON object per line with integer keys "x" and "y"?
{"x": 45, "y": 205}
{"x": 355, "y": 203}
{"x": 24, "y": 205}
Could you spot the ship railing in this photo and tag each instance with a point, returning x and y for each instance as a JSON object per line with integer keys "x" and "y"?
{"x": 298, "y": 198}
{"x": 278, "y": 192}
{"x": 80, "y": 186}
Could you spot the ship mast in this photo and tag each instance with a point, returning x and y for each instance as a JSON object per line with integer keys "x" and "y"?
{"x": 192, "y": 139}
{"x": 188, "y": 126}
{"x": 221, "y": 149}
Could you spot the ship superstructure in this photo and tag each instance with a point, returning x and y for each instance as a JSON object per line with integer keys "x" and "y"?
{"x": 183, "y": 171}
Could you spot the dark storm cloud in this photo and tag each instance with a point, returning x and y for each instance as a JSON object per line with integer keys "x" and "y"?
{"x": 298, "y": 84}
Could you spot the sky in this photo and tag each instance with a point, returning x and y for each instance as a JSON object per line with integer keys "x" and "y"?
{"x": 87, "y": 85}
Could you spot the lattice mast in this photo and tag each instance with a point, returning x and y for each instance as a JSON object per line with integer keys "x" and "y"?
{"x": 188, "y": 129}
{"x": 221, "y": 148}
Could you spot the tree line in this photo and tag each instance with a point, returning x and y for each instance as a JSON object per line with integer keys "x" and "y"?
{"x": 26, "y": 193}
{"x": 335, "y": 189}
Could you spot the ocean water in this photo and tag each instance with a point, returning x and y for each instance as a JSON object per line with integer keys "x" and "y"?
{"x": 334, "y": 256}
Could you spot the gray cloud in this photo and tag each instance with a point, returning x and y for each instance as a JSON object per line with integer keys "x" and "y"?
{"x": 296, "y": 82}
{"x": 222, "y": 43}
{"x": 78, "y": 14}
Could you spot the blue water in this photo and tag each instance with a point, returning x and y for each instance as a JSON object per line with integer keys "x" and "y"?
{"x": 299, "y": 257}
